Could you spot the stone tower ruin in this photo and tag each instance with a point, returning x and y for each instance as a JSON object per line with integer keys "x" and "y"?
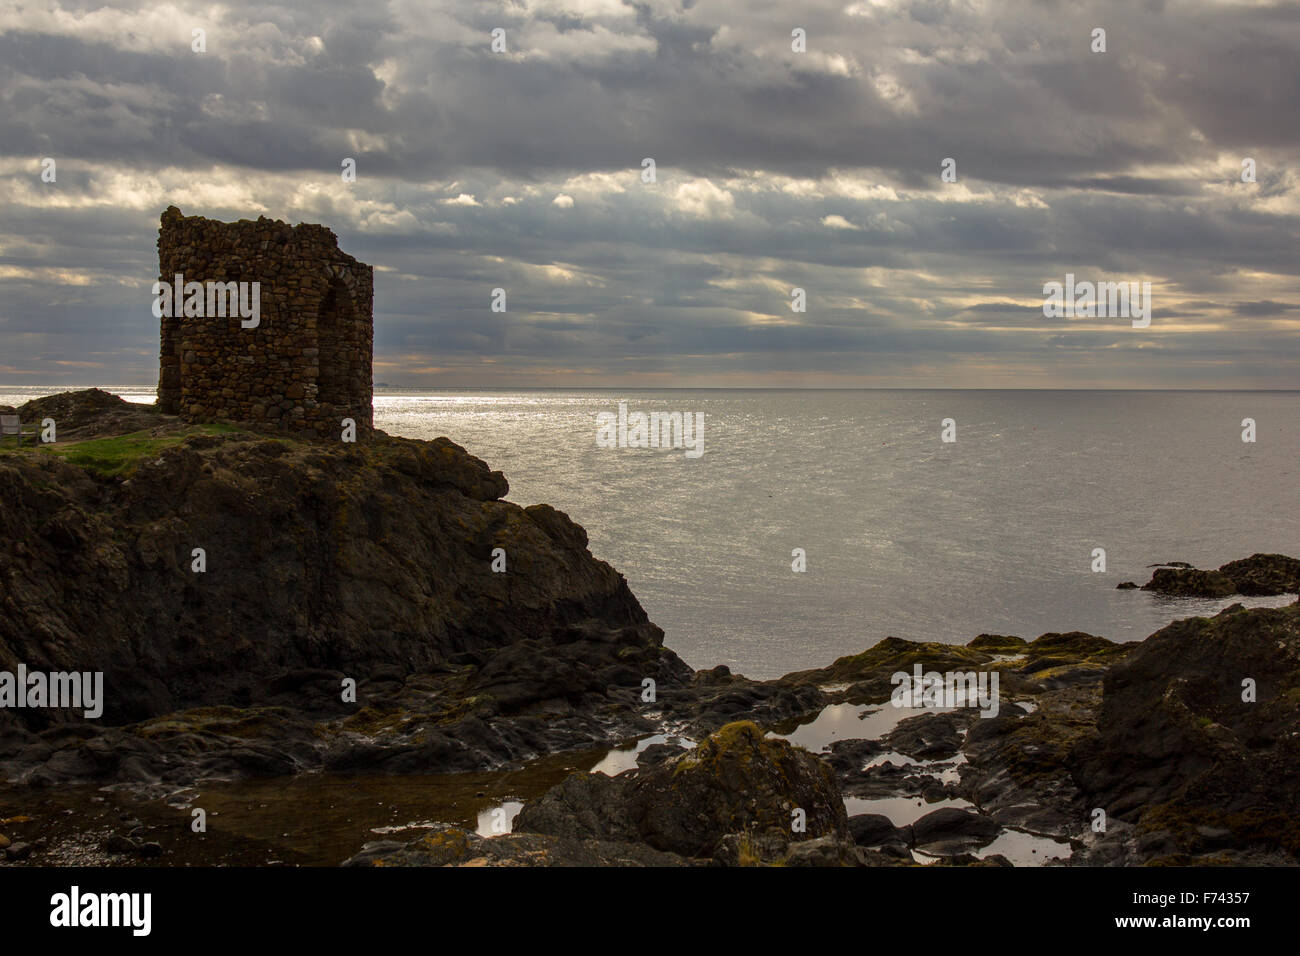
{"x": 307, "y": 363}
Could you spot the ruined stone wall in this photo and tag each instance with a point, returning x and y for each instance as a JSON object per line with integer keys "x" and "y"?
{"x": 309, "y": 362}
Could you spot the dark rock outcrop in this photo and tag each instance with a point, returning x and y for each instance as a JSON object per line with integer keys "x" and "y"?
{"x": 1190, "y": 582}
{"x": 90, "y": 413}
{"x": 1200, "y": 727}
{"x": 1256, "y": 576}
{"x": 735, "y": 782}
{"x": 953, "y": 823}
{"x": 1264, "y": 574}
{"x": 876, "y": 829}
{"x": 929, "y": 736}
{"x": 324, "y": 561}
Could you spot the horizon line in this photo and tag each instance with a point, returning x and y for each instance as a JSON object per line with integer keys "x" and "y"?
{"x": 736, "y": 388}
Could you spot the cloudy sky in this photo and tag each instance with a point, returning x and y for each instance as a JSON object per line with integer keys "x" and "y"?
{"x": 775, "y": 169}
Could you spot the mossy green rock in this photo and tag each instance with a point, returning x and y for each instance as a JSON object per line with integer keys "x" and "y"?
{"x": 736, "y": 781}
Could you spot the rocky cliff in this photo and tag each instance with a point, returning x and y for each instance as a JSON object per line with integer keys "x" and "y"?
{"x": 321, "y": 562}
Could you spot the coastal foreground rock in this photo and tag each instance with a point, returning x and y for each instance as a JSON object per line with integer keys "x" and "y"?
{"x": 737, "y": 781}
{"x": 323, "y": 563}
{"x": 329, "y": 563}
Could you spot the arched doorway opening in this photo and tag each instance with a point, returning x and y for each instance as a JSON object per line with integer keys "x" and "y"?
{"x": 333, "y": 325}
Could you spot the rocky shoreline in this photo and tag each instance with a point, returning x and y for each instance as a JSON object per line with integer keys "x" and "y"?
{"x": 371, "y": 565}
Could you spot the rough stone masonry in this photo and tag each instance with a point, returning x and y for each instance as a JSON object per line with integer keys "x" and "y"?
{"x": 307, "y": 365}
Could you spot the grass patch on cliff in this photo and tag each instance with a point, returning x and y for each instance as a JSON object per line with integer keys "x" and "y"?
{"x": 121, "y": 454}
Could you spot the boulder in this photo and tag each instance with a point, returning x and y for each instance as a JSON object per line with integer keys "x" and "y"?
{"x": 876, "y": 829}
{"x": 949, "y": 823}
{"x": 735, "y": 781}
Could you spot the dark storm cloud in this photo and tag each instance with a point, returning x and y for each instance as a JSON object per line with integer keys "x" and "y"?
{"x": 1264, "y": 308}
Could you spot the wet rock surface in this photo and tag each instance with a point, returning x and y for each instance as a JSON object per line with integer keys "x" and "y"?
{"x": 951, "y": 830}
